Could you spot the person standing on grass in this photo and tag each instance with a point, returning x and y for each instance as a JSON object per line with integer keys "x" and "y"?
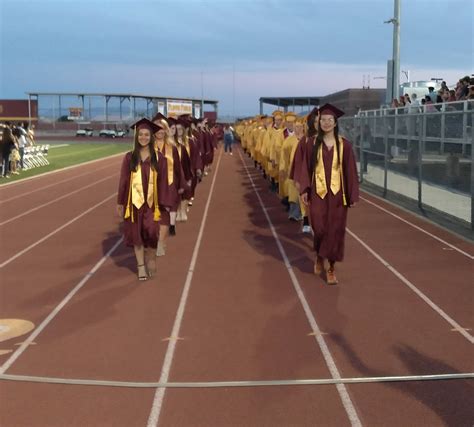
{"x": 329, "y": 186}
{"x": 228, "y": 139}
{"x": 142, "y": 176}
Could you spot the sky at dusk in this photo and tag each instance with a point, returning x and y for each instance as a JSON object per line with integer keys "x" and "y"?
{"x": 230, "y": 51}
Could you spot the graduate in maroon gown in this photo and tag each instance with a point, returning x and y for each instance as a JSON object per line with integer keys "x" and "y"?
{"x": 142, "y": 176}
{"x": 329, "y": 186}
{"x": 196, "y": 158}
{"x": 175, "y": 181}
{"x": 184, "y": 151}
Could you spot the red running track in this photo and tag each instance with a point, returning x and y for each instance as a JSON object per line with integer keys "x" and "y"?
{"x": 242, "y": 317}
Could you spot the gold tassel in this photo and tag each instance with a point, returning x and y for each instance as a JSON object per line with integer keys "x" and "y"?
{"x": 127, "y": 210}
{"x": 156, "y": 213}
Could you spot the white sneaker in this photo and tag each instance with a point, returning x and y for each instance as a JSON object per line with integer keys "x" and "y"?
{"x": 306, "y": 229}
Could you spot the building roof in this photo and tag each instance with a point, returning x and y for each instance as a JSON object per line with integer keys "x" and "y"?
{"x": 286, "y": 101}
{"x": 122, "y": 95}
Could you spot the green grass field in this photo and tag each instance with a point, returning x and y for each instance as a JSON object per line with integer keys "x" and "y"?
{"x": 61, "y": 156}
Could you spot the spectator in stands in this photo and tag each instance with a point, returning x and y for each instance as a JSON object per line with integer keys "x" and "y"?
{"x": 429, "y": 107}
{"x": 432, "y": 94}
{"x": 471, "y": 92}
{"x": 452, "y": 95}
{"x": 444, "y": 86}
{"x": 395, "y": 103}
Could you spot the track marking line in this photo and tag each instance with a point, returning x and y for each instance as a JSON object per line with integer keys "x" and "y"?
{"x": 418, "y": 228}
{"x": 165, "y": 370}
{"x": 58, "y": 308}
{"x": 331, "y": 364}
{"x": 428, "y": 301}
{"x": 57, "y": 230}
{"x": 56, "y": 200}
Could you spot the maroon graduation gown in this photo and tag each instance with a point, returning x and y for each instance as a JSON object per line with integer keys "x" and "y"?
{"x": 329, "y": 216}
{"x": 171, "y": 197}
{"x": 143, "y": 231}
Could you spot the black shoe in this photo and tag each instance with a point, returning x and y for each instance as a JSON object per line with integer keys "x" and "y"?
{"x": 285, "y": 201}
{"x": 172, "y": 230}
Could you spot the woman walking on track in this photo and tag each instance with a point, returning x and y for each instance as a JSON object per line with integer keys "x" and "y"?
{"x": 142, "y": 174}
{"x": 175, "y": 182}
{"x": 329, "y": 186}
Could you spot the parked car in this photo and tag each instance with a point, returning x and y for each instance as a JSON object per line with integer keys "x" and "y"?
{"x": 85, "y": 132}
{"x": 107, "y": 133}
{"x": 121, "y": 133}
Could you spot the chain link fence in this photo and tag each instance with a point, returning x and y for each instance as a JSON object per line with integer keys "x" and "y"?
{"x": 422, "y": 154}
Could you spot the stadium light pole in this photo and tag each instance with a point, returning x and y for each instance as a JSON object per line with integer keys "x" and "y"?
{"x": 396, "y": 49}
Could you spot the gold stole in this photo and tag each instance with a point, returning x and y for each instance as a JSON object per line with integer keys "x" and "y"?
{"x": 168, "y": 152}
{"x": 136, "y": 196}
{"x": 336, "y": 173}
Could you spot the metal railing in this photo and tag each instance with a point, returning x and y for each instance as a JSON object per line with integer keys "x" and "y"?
{"x": 423, "y": 153}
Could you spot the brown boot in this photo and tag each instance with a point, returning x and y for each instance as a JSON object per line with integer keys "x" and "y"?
{"x": 319, "y": 266}
{"x": 331, "y": 276}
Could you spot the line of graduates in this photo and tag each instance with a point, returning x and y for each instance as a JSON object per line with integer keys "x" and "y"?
{"x": 312, "y": 169}
{"x": 158, "y": 180}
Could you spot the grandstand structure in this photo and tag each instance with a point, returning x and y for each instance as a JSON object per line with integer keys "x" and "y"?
{"x": 82, "y": 106}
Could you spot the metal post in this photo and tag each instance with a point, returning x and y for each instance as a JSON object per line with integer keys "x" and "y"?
{"x": 90, "y": 109}
{"x": 59, "y": 106}
{"x": 385, "y": 142}
{"x": 54, "y": 114}
{"x": 472, "y": 166}
{"x": 443, "y": 129}
{"x": 361, "y": 151}
{"x": 396, "y": 49}
{"x": 107, "y": 109}
{"x": 134, "y": 108}
{"x": 464, "y": 127}
{"x": 421, "y": 144}
{"x": 261, "y": 107}
{"x": 29, "y": 111}
{"x": 82, "y": 103}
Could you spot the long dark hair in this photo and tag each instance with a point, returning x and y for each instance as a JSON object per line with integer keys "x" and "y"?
{"x": 320, "y": 140}
{"x": 310, "y": 122}
{"x": 135, "y": 160}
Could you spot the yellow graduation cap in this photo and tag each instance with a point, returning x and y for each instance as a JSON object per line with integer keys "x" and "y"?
{"x": 290, "y": 117}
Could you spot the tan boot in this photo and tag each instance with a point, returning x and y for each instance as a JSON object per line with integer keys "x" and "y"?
{"x": 319, "y": 266}
{"x": 331, "y": 276}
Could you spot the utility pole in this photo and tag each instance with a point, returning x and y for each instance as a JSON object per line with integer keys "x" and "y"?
{"x": 395, "y": 86}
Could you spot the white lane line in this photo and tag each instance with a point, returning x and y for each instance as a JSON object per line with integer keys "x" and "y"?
{"x": 57, "y": 230}
{"x": 23, "y": 180}
{"x": 436, "y": 308}
{"x": 54, "y": 184}
{"x": 331, "y": 364}
{"x": 58, "y": 308}
{"x": 165, "y": 371}
{"x": 57, "y": 146}
{"x": 418, "y": 228}
{"x": 56, "y": 200}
